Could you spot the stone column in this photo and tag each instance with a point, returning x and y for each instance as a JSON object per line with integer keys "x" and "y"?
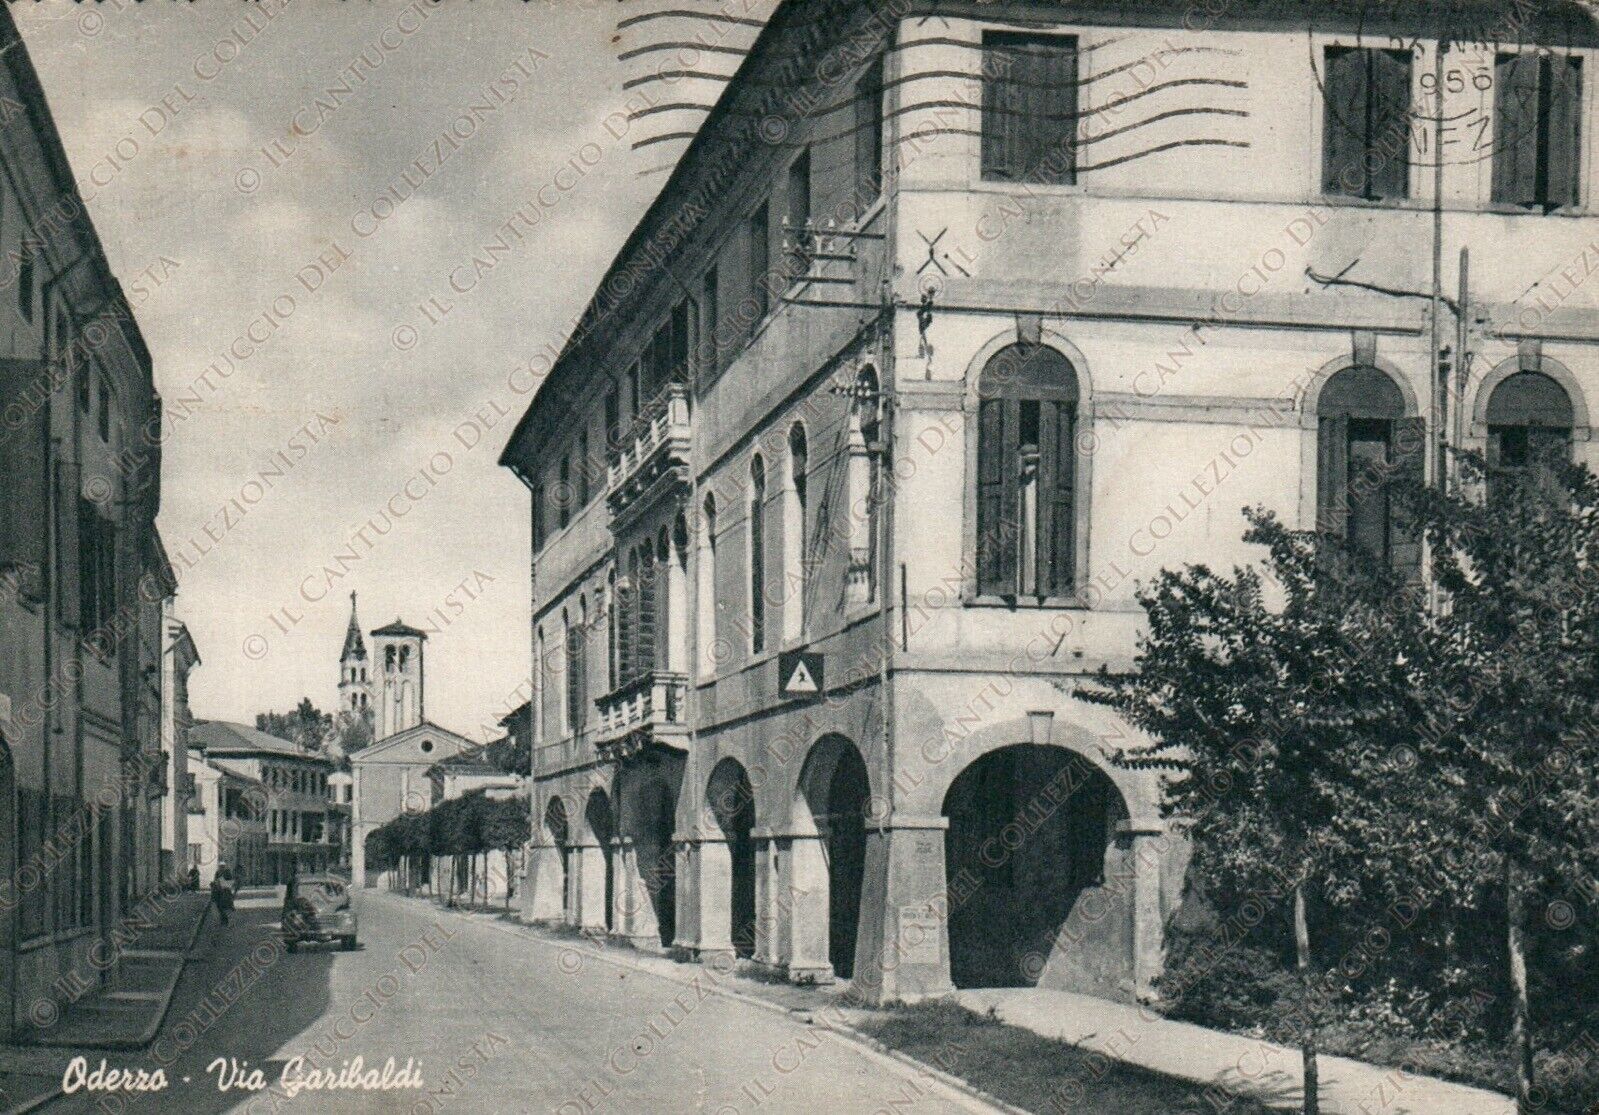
{"x": 590, "y": 879}
{"x": 768, "y": 887}
{"x": 714, "y": 884}
{"x": 687, "y": 937}
{"x": 632, "y": 912}
{"x": 806, "y": 908}
{"x": 902, "y": 947}
{"x": 1148, "y": 922}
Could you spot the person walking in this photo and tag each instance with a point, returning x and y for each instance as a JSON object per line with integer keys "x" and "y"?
{"x": 194, "y": 877}
{"x": 222, "y": 892}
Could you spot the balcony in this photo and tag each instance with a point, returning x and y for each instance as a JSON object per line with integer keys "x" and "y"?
{"x": 651, "y": 710}
{"x": 653, "y": 456}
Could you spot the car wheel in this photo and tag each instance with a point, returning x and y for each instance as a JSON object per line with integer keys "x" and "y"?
{"x": 347, "y": 944}
{"x": 291, "y": 944}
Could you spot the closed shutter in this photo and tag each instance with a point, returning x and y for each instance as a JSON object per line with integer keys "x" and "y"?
{"x": 1515, "y": 151}
{"x": 580, "y": 677}
{"x": 1030, "y": 109}
{"x": 869, "y": 135}
{"x": 1387, "y": 143}
{"x": 990, "y": 496}
{"x": 1343, "y": 125}
{"x": 68, "y": 555}
{"x": 648, "y": 622}
{"x": 1057, "y": 549}
{"x": 1054, "y": 158}
{"x": 1001, "y": 125}
{"x": 1564, "y": 92}
{"x": 1008, "y": 531}
{"x": 1332, "y": 476}
{"x": 1409, "y": 455}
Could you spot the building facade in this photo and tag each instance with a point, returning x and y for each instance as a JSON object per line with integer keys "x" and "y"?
{"x": 82, "y": 576}
{"x": 954, "y": 324}
{"x": 299, "y": 837}
{"x": 227, "y": 822}
{"x": 179, "y": 656}
{"x": 391, "y": 777}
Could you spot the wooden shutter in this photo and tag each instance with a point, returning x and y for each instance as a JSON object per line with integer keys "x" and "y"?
{"x": 1008, "y": 532}
{"x": 1409, "y": 454}
{"x": 1515, "y": 152}
{"x": 1057, "y": 534}
{"x": 1564, "y": 161}
{"x": 1332, "y": 476}
{"x": 869, "y": 134}
{"x": 998, "y": 123}
{"x": 990, "y": 495}
{"x": 1054, "y": 155}
{"x": 1387, "y": 142}
{"x": 68, "y": 556}
{"x": 1344, "y": 110}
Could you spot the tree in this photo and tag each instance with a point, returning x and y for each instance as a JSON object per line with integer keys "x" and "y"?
{"x": 306, "y": 725}
{"x": 352, "y": 731}
{"x": 1272, "y": 696}
{"x": 1514, "y": 696}
{"x": 507, "y": 827}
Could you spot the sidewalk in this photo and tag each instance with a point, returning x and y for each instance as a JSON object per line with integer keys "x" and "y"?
{"x": 124, "y": 1014}
{"x": 1270, "y": 1073}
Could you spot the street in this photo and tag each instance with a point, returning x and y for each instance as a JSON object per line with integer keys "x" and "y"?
{"x": 493, "y": 1020}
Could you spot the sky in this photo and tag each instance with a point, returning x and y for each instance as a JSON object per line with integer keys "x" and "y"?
{"x": 281, "y": 221}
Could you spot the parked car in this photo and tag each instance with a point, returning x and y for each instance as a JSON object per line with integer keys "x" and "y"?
{"x": 317, "y": 908}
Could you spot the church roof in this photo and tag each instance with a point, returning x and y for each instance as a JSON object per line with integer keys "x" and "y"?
{"x": 354, "y": 645}
{"x": 398, "y": 628}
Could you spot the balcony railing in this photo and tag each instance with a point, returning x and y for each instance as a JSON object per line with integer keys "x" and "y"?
{"x": 652, "y": 708}
{"x": 658, "y": 439}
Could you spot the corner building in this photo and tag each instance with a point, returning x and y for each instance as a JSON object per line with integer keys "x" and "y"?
{"x": 953, "y": 323}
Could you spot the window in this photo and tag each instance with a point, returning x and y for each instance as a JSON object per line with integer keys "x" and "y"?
{"x": 96, "y": 567}
{"x": 712, "y": 309}
{"x": 25, "y": 281}
{"x": 584, "y": 465}
{"x": 796, "y": 232}
{"x": 1366, "y": 123}
{"x": 795, "y": 551}
{"x": 563, "y": 494}
{"x": 759, "y": 233}
{"x": 1026, "y": 473}
{"x": 541, "y": 673}
{"x": 538, "y": 517}
{"x": 757, "y": 554}
{"x": 865, "y": 483}
{"x": 613, "y": 417}
{"x": 1363, "y": 443}
{"x": 1030, "y": 108}
{"x": 869, "y": 135}
{"x": 1537, "y": 113}
{"x": 1529, "y": 426}
{"x": 683, "y": 324}
{"x": 103, "y": 419}
{"x": 576, "y": 675}
{"x": 706, "y": 590}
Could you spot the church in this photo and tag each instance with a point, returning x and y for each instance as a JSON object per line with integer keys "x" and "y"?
{"x": 390, "y": 775}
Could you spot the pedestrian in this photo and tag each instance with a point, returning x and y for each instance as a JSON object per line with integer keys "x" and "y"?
{"x": 222, "y": 892}
{"x": 194, "y": 877}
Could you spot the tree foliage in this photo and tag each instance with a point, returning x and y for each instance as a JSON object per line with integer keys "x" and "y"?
{"x": 306, "y": 725}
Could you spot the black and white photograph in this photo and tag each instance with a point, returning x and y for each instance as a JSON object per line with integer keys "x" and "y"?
{"x": 744, "y": 557}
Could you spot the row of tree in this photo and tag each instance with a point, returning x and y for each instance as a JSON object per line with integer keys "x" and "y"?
{"x": 1366, "y": 754}
{"x": 465, "y": 828}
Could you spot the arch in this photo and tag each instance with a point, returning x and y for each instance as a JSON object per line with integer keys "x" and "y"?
{"x": 1361, "y": 391}
{"x": 833, "y": 799}
{"x": 1310, "y": 396}
{"x": 1035, "y": 847}
{"x": 730, "y": 802}
{"x": 1028, "y": 480}
{"x": 601, "y": 821}
{"x": 559, "y": 831}
{"x": 1546, "y": 366}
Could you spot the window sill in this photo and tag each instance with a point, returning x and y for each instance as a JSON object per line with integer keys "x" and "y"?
{"x": 1025, "y": 603}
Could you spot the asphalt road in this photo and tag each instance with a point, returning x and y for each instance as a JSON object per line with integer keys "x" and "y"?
{"x": 491, "y": 1020}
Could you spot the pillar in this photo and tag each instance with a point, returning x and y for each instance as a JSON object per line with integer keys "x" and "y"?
{"x": 806, "y": 895}
{"x": 712, "y": 903}
{"x": 632, "y": 911}
{"x": 902, "y": 948}
{"x": 588, "y": 878}
{"x": 767, "y": 886}
{"x": 1148, "y": 922}
{"x": 543, "y": 897}
{"x": 687, "y": 937}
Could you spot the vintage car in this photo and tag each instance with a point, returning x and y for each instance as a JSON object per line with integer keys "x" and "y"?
{"x": 317, "y": 908}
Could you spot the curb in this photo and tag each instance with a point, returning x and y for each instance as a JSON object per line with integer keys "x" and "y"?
{"x": 843, "y": 1030}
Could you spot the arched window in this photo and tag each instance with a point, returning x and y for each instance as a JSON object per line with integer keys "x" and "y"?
{"x": 1364, "y": 442}
{"x": 705, "y": 589}
{"x": 1027, "y": 473}
{"x": 613, "y": 631}
{"x": 795, "y": 548}
{"x": 757, "y": 554}
{"x": 1529, "y": 424}
{"x": 577, "y": 670}
{"x": 540, "y": 676}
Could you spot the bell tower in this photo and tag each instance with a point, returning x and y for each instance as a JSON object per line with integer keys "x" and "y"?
{"x": 354, "y": 679}
{"x": 397, "y": 680}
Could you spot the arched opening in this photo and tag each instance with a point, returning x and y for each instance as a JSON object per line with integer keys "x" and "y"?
{"x": 1027, "y": 473}
{"x": 1530, "y": 418}
{"x": 731, "y": 800}
{"x": 657, "y": 863}
{"x": 835, "y": 790}
{"x": 601, "y": 823}
{"x": 1031, "y": 844}
{"x": 1362, "y": 444}
{"x": 560, "y": 834}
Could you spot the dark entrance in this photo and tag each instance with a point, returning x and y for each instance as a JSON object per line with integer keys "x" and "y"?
{"x": 560, "y": 833}
{"x": 1029, "y": 828}
{"x": 598, "y": 815}
{"x": 732, "y": 803}
{"x": 836, "y": 790}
